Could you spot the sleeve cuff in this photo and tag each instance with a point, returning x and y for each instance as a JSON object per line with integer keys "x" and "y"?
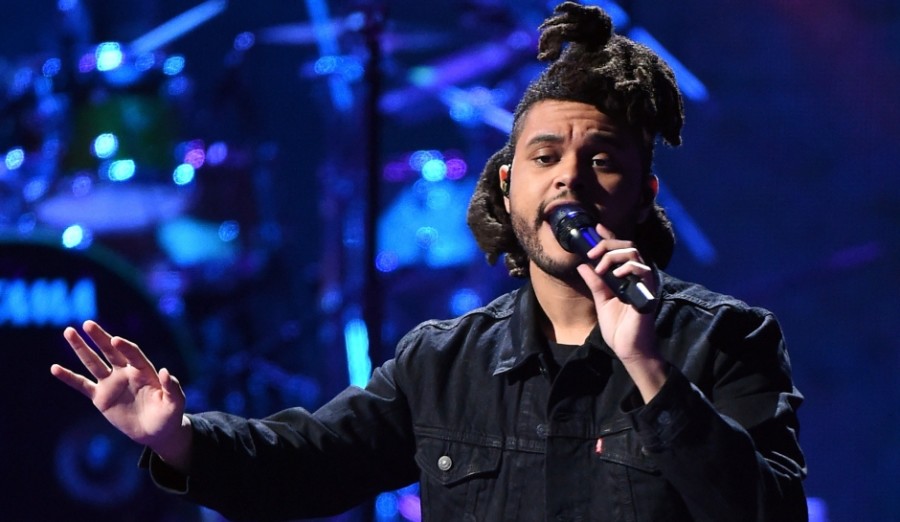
{"x": 164, "y": 476}
{"x": 659, "y": 422}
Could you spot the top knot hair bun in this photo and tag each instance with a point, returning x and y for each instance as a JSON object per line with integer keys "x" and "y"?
{"x": 588, "y": 26}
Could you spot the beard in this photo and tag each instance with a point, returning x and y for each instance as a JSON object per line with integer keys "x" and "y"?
{"x": 527, "y": 233}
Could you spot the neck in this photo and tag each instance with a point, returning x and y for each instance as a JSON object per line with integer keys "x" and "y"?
{"x": 568, "y": 307}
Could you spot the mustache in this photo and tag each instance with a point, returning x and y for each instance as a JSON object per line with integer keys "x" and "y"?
{"x": 567, "y": 195}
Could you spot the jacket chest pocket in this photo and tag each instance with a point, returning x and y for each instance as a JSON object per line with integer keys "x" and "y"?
{"x": 457, "y": 475}
{"x": 621, "y": 446}
{"x": 634, "y": 485}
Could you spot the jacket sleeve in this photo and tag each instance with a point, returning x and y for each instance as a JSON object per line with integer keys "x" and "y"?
{"x": 298, "y": 464}
{"x": 732, "y": 453}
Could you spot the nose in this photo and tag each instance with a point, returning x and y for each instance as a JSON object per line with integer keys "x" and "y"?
{"x": 570, "y": 174}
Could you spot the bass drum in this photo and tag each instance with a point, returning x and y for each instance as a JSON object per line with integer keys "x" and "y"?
{"x": 61, "y": 460}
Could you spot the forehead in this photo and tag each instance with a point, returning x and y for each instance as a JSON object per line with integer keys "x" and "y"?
{"x": 568, "y": 120}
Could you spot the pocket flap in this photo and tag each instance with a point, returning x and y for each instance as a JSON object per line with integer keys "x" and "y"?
{"x": 450, "y": 461}
{"x": 623, "y": 447}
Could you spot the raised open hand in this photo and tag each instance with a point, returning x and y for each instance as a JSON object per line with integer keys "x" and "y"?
{"x": 145, "y": 405}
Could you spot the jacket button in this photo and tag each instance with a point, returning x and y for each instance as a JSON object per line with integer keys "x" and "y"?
{"x": 542, "y": 431}
{"x": 445, "y": 463}
{"x": 664, "y": 418}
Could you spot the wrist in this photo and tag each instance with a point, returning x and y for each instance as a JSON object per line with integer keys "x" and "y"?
{"x": 175, "y": 449}
{"x": 648, "y": 373}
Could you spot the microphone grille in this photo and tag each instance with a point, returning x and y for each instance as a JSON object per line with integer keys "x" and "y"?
{"x": 566, "y": 218}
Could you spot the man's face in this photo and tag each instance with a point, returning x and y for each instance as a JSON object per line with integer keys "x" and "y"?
{"x": 571, "y": 152}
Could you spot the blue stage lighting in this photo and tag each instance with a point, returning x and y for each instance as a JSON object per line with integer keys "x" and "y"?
{"x": 121, "y": 170}
{"x": 173, "y": 65}
{"x": 356, "y": 341}
{"x": 184, "y": 174}
{"x": 106, "y": 145}
{"x": 108, "y": 56}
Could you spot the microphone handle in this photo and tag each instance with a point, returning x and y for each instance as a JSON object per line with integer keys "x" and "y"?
{"x": 630, "y": 289}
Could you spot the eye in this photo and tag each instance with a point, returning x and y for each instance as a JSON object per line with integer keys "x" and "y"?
{"x": 603, "y": 162}
{"x": 543, "y": 158}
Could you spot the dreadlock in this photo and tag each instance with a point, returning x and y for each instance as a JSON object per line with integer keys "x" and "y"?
{"x": 619, "y": 77}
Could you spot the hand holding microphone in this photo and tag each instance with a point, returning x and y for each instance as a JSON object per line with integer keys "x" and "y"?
{"x": 576, "y": 232}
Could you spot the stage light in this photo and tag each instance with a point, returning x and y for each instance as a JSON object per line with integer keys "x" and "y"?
{"x": 244, "y": 41}
{"x": 386, "y": 507}
{"x": 195, "y": 157}
{"x": 463, "y": 113}
{"x": 15, "y": 158}
{"x": 51, "y": 67}
{"x": 184, "y": 174}
{"x": 87, "y": 63}
{"x": 331, "y": 299}
{"x": 464, "y": 300}
{"x": 217, "y": 153}
{"x": 356, "y": 341}
{"x": 75, "y": 236}
{"x": 426, "y": 236}
{"x": 35, "y": 189}
{"x": 105, "y": 145}
{"x": 456, "y": 168}
{"x": 108, "y": 56}
{"x": 173, "y": 65}
{"x": 410, "y": 507}
{"x": 229, "y": 231}
{"x": 419, "y": 158}
{"x": 387, "y": 261}
{"x": 171, "y": 305}
{"x": 26, "y": 223}
{"x": 190, "y": 242}
{"x": 434, "y": 170}
{"x": 121, "y": 170}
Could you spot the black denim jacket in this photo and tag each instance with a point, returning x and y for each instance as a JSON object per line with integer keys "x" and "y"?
{"x": 469, "y": 408}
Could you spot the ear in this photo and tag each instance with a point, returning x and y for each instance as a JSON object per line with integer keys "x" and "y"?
{"x": 504, "y": 176}
{"x": 648, "y": 197}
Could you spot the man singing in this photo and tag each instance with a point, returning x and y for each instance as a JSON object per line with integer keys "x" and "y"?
{"x": 557, "y": 401}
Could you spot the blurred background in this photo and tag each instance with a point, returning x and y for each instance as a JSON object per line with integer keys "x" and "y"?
{"x": 266, "y": 196}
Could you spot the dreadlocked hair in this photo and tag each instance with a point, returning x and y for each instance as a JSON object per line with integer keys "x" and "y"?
{"x": 621, "y": 78}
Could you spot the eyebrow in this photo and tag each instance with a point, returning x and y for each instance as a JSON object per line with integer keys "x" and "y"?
{"x": 592, "y": 137}
{"x": 544, "y": 138}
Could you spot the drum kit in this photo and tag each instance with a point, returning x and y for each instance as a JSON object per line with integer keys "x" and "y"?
{"x": 96, "y": 152}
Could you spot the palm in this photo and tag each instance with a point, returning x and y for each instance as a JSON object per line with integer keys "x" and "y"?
{"x": 134, "y": 403}
{"x": 143, "y": 404}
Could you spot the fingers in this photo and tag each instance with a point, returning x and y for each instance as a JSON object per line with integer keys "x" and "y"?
{"x": 621, "y": 258}
{"x": 131, "y": 354}
{"x": 103, "y": 341}
{"x": 88, "y": 357}
{"x": 74, "y": 381}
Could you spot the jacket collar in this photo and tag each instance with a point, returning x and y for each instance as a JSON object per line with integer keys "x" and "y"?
{"x": 523, "y": 340}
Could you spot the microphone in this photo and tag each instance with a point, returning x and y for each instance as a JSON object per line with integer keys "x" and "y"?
{"x": 577, "y": 233}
